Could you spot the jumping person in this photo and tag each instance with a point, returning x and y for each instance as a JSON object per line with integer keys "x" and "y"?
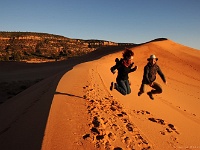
{"x": 149, "y": 77}
{"x": 124, "y": 67}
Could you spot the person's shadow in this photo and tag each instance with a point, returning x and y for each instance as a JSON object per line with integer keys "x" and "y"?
{"x": 68, "y": 94}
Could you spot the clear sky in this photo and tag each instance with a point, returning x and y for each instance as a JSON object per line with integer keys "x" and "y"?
{"x": 134, "y": 21}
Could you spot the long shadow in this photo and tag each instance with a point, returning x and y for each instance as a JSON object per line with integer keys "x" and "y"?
{"x": 67, "y": 94}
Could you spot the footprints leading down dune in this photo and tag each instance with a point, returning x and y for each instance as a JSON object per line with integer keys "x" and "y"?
{"x": 110, "y": 127}
{"x": 168, "y": 129}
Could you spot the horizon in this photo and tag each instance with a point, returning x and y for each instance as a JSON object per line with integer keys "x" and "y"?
{"x": 78, "y": 38}
{"x": 121, "y": 22}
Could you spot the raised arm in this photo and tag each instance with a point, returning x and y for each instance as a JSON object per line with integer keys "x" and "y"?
{"x": 133, "y": 69}
{"x": 116, "y": 66}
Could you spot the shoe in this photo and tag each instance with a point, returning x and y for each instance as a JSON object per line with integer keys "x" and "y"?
{"x": 150, "y": 95}
{"x": 112, "y": 86}
{"x": 139, "y": 93}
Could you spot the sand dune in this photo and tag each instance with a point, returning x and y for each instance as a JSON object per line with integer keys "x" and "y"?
{"x": 23, "y": 118}
{"x": 85, "y": 114}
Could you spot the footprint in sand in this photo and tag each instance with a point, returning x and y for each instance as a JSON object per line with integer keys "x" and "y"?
{"x": 160, "y": 121}
{"x": 95, "y": 122}
{"x": 118, "y": 148}
{"x": 143, "y": 112}
{"x": 171, "y": 126}
{"x": 115, "y": 127}
{"x": 86, "y": 136}
{"x": 127, "y": 140}
{"x": 108, "y": 145}
{"x": 99, "y": 137}
{"x": 168, "y": 127}
{"x": 111, "y": 136}
{"x": 95, "y": 130}
{"x": 129, "y": 127}
{"x": 122, "y": 114}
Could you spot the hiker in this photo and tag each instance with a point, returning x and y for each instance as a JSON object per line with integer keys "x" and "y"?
{"x": 149, "y": 77}
{"x": 124, "y": 67}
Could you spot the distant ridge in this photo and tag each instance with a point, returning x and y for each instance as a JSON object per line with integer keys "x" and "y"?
{"x": 20, "y": 34}
{"x": 158, "y": 39}
{"x": 17, "y": 46}
{"x": 155, "y": 40}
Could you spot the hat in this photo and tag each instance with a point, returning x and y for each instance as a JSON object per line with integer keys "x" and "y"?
{"x": 152, "y": 57}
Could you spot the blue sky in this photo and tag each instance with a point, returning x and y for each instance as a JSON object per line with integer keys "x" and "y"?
{"x": 134, "y": 21}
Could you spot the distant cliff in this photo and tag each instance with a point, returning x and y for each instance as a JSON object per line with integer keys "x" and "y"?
{"x": 25, "y": 46}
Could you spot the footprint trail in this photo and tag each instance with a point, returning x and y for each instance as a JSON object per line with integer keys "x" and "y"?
{"x": 110, "y": 126}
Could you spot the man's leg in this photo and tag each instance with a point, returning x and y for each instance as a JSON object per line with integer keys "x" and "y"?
{"x": 141, "y": 89}
{"x": 156, "y": 90}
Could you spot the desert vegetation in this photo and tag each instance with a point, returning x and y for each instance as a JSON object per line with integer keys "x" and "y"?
{"x": 30, "y": 46}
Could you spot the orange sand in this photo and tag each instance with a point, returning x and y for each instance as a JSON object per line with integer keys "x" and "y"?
{"x": 85, "y": 114}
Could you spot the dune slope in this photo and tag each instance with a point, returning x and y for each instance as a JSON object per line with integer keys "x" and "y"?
{"x": 110, "y": 120}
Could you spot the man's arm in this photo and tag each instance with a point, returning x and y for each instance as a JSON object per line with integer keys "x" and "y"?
{"x": 161, "y": 75}
{"x": 146, "y": 73}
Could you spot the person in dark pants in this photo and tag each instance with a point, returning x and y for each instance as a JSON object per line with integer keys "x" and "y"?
{"x": 149, "y": 77}
{"x": 124, "y": 67}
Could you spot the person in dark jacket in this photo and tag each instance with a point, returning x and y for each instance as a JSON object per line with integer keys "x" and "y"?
{"x": 149, "y": 77}
{"x": 124, "y": 67}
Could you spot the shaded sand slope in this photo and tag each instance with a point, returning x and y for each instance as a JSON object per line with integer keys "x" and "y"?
{"x": 68, "y": 121}
{"x": 87, "y": 114}
{"x": 23, "y": 117}
{"x": 15, "y": 76}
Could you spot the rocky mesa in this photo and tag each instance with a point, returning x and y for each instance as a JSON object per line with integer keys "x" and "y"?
{"x": 30, "y": 46}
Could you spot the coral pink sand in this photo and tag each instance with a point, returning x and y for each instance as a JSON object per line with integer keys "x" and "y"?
{"x": 85, "y": 114}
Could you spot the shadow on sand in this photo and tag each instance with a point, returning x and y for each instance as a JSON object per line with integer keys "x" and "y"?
{"x": 67, "y": 94}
